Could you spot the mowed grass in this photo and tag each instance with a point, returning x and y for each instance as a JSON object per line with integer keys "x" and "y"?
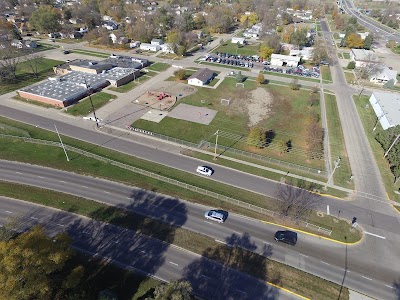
{"x": 232, "y": 48}
{"x": 287, "y": 120}
{"x": 261, "y": 267}
{"x": 336, "y": 143}
{"x": 25, "y": 76}
{"x": 349, "y": 77}
{"x": 291, "y": 76}
{"x": 326, "y": 73}
{"x": 346, "y": 55}
{"x": 90, "y": 53}
{"x": 158, "y": 66}
{"x": 368, "y": 118}
{"x": 84, "y": 107}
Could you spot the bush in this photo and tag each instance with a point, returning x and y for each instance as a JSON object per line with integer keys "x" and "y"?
{"x": 260, "y": 78}
{"x": 240, "y": 77}
{"x": 294, "y": 85}
{"x": 351, "y": 65}
{"x": 180, "y": 74}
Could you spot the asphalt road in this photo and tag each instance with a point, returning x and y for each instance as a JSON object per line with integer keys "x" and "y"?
{"x": 375, "y": 27}
{"x": 366, "y": 273}
{"x": 210, "y": 280}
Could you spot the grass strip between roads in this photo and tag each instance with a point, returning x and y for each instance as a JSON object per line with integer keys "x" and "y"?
{"x": 246, "y": 261}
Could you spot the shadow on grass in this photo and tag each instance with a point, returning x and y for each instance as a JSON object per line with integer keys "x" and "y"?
{"x": 216, "y": 274}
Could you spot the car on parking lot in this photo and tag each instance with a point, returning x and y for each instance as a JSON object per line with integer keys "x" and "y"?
{"x": 215, "y": 215}
{"x": 204, "y": 170}
{"x": 286, "y": 236}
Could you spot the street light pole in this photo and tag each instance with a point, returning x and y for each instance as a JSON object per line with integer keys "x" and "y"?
{"x": 62, "y": 145}
{"x": 334, "y": 169}
{"x": 216, "y": 144}
{"x": 91, "y": 102}
{"x": 376, "y": 124}
{"x": 394, "y": 142}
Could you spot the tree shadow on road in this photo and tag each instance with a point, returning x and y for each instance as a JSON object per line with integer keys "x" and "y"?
{"x": 221, "y": 272}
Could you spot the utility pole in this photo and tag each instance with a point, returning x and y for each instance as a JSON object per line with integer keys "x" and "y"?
{"x": 91, "y": 102}
{"x": 394, "y": 142}
{"x": 216, "y": 144}
{"x": 337, "y": 162}
{"x": 62, "y": 145}
{"x": 376, "y": 124}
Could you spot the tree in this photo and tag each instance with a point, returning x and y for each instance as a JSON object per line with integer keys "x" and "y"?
{"x": 294, "y": 85}
{"x": 222, "y": 42}
{"x": 260, "y": 78}
{"x": 369, "y": 39}
{"x": 286, "y": 18}
{"x": 181, "y": 50}
{"x": 320, "y": 53}
{"x": 45, "y": 19}
{"x": 354, "y": 40}
{"x": 265, "y": 52}
{"x": 30, "y": 265}
{"x": 389, "y": 84}
{"x": 314, "y": 139}
{"x": 239, "y": 77}
{"x": 370, "y": 68}
{"x": 175, "y": 290}
{"x": 391, "y": 44}
{"x": 33, "y": 60}
{"x": 256, "y": 137}
{"x": 315, "y": 89}
{"x": 11, "y": 57}
{"x": 295, "y": 202}
{"x": 180, "y": 74}
{"x": 313, "y": 99}
{"x": 282, "y": 145}
{"x": 351, "y": 65}
{"x": 299, "y": 37}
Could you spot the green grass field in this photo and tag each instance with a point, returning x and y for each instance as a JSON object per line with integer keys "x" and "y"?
{"x": 337, "y": 145}
{"x": 368, "y": 118}
{"x": 346, "y": 55}
{"x": 84, "y": 107}
{"x": 232, "y": 48}
{"x": 25, "y": 77}
{"x": 90, "y": 53}
{"x": 235, "y": 119}
{"x": 159, "y": 67}
{"x": 326, "y": 73}
{"x": 349, "y": 77}
{"x": 291, "y": 76}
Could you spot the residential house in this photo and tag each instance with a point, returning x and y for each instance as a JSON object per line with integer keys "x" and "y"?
{"x": 110, "y": 25}
{"x": 149, "y": 47}
{"x": 201, "y": 77}
{"x": 157, "y": 42}
{"x": 134, "y": 44}
{"x": 383, "y": 75}
{"x": 167, "y": 48}
{"x": 17, "y": 43}
{"x": 363, "y": 57}
{"x": 239, "y": 40}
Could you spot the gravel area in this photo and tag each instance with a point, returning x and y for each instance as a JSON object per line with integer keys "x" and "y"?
{"x": 258, "y": 108}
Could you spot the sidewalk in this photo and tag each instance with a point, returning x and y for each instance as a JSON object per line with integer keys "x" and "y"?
{"x": 357, "y": 296}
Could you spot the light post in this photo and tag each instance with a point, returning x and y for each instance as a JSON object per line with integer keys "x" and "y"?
{"x": 216, "y": 145}
{"x": 337, "y": 162}
{"x": 62, "y": 145}
{"x": 91, "y": 102}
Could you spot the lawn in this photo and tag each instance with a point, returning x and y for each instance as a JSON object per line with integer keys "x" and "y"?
{"x": 84, "y": 107}
{"x": 337, "y": 145}
{"x": 91, "y": 53}
{"x": 291, "y": 76}
{"x": 25, "y": 77}
{"x": 231, "y": 48}
{"x": 349, "y": 77}
{"x": 234, "y": 119}
{"x": 346, "y": 55}
{"x": 107, "y": 276}
{"x": 368, "y": 118}
{"x": 326, "y": 73}
{"x": 158, "y": 67}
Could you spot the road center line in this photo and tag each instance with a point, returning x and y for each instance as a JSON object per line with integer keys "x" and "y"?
{"x": 236, "y": 232}
{"x": 107, "y": 192}
{"x": 375, "y": 235}
{"x": 34, "y": 218}
{"x": 41, "y": 177}
{"x": 60, "y": 225}
{"x": 205, "y": 276}
{"x": 172, "y": 263}
{"x": 18, "y": 172}
{"x": 325, "y": 263}
{"x": 9, "y": 212}
{"x": 389, "y": 286}
{"x": 366, "y": 277}
{"x": 241, "y": 291}
{"x": 63, "y": 181}
{"x": 208, "y": 222}
{"x": 303, "y": 255}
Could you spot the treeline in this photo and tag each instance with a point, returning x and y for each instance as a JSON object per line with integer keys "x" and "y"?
{"x": 386, "y": 139}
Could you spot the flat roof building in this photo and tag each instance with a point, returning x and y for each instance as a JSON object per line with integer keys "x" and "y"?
{"x": 387, "y": 108}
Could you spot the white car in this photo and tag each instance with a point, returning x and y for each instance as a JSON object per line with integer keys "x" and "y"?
{"x": 203, "y": 170}
{"x": 215, "y": 216}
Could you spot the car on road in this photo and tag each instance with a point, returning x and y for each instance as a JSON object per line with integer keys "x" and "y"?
{"x": 66, "y": 52}
{"x": 215, "y": 215}
{"x": 286, "y": 236}
{"x": 204, "y": 170}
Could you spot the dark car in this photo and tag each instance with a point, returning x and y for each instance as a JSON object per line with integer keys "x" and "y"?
{"x": 286, "y": 236}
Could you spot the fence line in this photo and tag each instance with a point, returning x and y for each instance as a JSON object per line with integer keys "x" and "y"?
{"x": 166, "y": 179}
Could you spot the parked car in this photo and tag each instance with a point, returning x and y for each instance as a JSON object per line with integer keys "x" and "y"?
{"x": 215, "y": 215}
{"x": 204, "y": 170}
{"x": 286, "y": 236}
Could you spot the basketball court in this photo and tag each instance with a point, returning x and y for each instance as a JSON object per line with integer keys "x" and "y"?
{"x": 192, "y": 113}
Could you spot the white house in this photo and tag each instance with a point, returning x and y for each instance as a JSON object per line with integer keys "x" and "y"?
{"x": 150, "y": 47}
{"x": 363, "y": 35}
{"x": 362, "y": 57}
{"x": 17, "y": 43}
{"x": 284, "y": 60}
{"x": 157, "y": 42}
{"x": 134, "y": 44}
{"x": 239, "y": 40}
{"x": 384, "y": 75}
{"x": 167, "y": 48}
{"x": 201, "y": 77}
{"x": 306, "y": 53}
{"x": 250, "y": 34}
{"x": 386, "y": 107}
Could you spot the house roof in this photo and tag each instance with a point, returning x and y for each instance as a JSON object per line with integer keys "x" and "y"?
{"x": 203, "y": 74}
{"x": 364, "y": 55}
{"x": 386, "y": 72}
{"x": 390, "y": 105}
{"x": 285, "y": 57}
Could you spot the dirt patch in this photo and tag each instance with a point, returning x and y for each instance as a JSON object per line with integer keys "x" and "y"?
{"x": 259, "y": 106}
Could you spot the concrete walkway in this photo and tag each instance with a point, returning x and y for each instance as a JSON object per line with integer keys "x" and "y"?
{"x": 353, "y": 295}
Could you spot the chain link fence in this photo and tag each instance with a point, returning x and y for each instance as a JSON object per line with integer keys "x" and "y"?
{"x": 166, "y": 179}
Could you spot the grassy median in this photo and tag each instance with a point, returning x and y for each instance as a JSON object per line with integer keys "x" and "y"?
{"x": 259, "y": 266}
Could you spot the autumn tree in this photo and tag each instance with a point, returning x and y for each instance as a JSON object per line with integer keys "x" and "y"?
{"x": 30, "y": 265}
{"x": 256, "y": 137}
{"x": 219, "y": 19}
{"x": 174, "y": 290}
{"x": 319, "y": 52}
{"x": 265, "y": 52}
{"x": 313, "y": 99}
{"x": 180, "y": 74}
{"x": 45, "y": 19}
{"x": 354, "y": 40}
{"x": 249, "y": 20}
{"x": 260, "y": 78}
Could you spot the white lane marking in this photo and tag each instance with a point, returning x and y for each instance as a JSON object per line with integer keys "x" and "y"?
{"x": 172, "y": 263}
{"x": 63, "y": 181}
{"x": 9, "y": 212}
{"x": 142, "y": 251}
{"x": 327, "y": 210}
{"x": 60, "y": 225}
{"x": 205, "y": 276}
{"x": 106, "y": 192}
{"x": 34, "y": 218}
{"x": 366, "y": 277}
{"x": 375, "y": 235}
{"x": 389, "y": 286}
{"x": 325, "y": 263}
{"x": 84, "y": 186}
{"x": 41, "y": 177}
{"x": 303, "y": 255}
{"x": 208, "y": 222}
{"x": 241, "y": 291}
{"x": 267, "y": 243}
{"x": 222, "y": 242}
{"x": 236, "y": 232}
{"x": 18, "y": 172}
